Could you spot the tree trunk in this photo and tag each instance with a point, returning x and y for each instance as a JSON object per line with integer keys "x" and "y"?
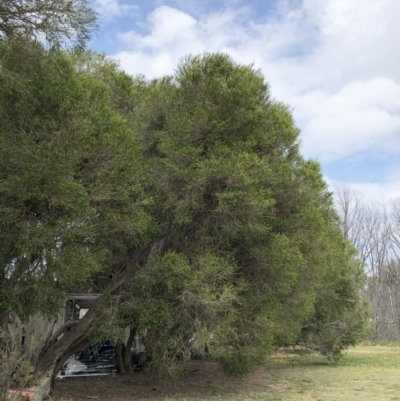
{"x": 119, "y": 363}
{"x": 72, "y": 337}
{"x": 57, "y": 349}
{"x": 126, "y": 350}
{"x": 4, "y": 317}
{"x": 3, "y": 332}
{"x": 66, "y": 355}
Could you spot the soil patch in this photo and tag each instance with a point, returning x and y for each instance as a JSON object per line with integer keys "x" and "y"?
{"x": 200, "y": 379}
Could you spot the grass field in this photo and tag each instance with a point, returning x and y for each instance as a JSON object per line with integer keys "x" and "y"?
{"x": 364, "y": 373}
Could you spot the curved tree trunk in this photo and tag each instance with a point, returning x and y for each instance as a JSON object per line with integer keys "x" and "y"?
{"x": 56, "y": 351}
{"x": 73, "y": 336}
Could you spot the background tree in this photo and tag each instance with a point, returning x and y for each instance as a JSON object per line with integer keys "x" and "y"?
{"x": 57, "y": 22}
{"x": 373, "y": 229}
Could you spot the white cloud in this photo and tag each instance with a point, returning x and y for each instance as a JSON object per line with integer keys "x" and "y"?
{"x": 335, "y": 61}
{"x": 174, "y": 34}
{"x": 361, "y": 116}
{"x": 167, "y": 26}
{"x": 357, "y": 38}
{"x": 374, "y": 192}
{"x": 113, "y": 8}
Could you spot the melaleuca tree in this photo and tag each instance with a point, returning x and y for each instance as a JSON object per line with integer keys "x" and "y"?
{"x": 67, "y": 24}
{"x": 244, "y": 252}
{"x": 249, "y": 252}
{"x": 70, "y": 198}
{"x": 339, "y": 317}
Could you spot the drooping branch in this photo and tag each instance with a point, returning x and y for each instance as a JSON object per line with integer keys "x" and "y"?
{"x": 59, "y": 21}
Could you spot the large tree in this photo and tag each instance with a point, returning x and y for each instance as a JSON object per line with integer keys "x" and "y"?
{"x": 246, "y": 251}
{"x": 233, "y": 192}
{"x": 70, "y": 197}
{"x": 184, "y": 201}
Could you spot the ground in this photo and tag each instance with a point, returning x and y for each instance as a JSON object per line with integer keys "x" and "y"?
{"x": 365, "y": 373}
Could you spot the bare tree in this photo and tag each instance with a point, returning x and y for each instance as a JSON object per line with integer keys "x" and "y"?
{"x": 366, "y": 225}
{"x": 396, "y": 228}
{"x": 375, "y": 232}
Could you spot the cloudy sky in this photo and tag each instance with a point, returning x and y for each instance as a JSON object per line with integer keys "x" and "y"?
{"x": 336, "y": 62}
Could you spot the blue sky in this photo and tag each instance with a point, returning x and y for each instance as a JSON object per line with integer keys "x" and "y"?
{"x": 335, "y": 62}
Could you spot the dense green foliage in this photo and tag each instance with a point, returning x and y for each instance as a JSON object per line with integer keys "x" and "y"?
{"x": 251, "y": 248}
{"x": 70, "y": 198}
{"x": 191, "y": 187}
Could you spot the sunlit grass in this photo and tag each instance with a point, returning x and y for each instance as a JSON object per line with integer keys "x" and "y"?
{"x": 364, "y": 373}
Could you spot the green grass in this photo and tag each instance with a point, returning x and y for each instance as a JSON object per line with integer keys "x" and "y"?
{"x": 359, "y": 375}
{"x": 364, "y": 373}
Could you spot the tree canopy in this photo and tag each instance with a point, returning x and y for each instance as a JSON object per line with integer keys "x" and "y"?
{"x": 56, "y": 22}
{"x": 253, "y": 256}
{"x": 184, "y": 200}
{"x": 70, "y": 196}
